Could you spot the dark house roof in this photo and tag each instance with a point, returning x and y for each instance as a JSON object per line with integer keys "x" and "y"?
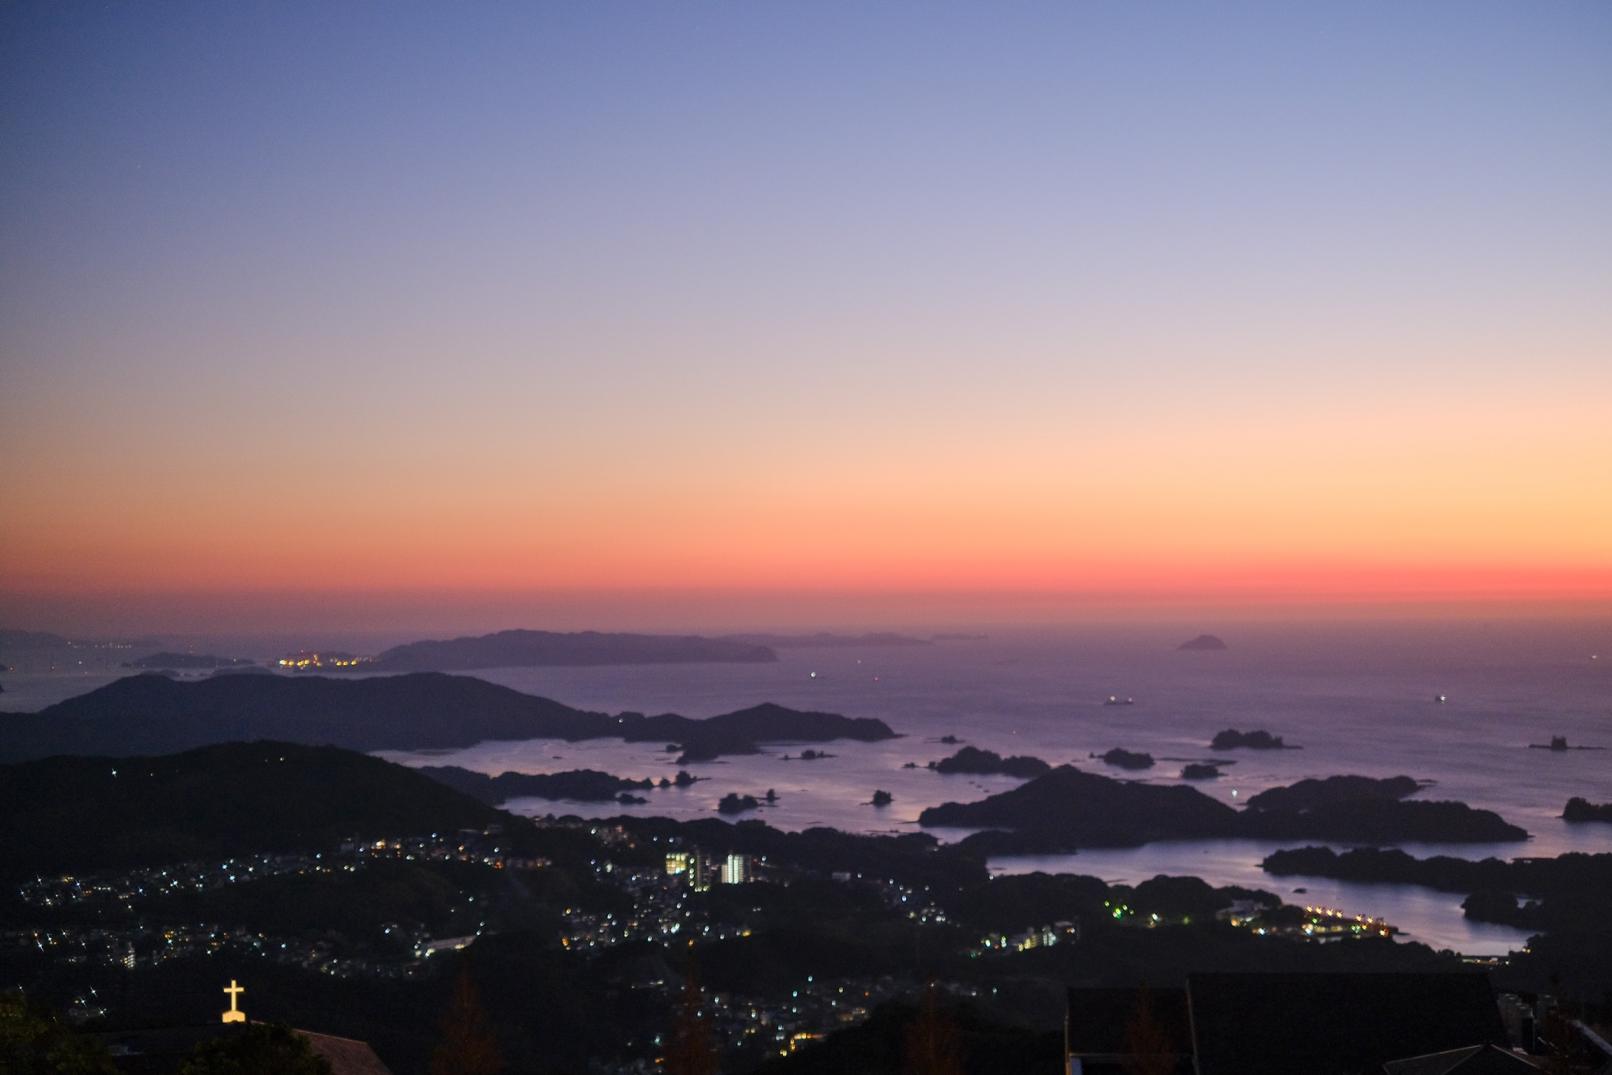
{"x": 344, "y": 1055}
{"x": 1334, "y": 1024}
{"x": 1474, "y": 1060}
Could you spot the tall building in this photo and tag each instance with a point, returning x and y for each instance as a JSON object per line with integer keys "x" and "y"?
{"x": 736, "y": 870}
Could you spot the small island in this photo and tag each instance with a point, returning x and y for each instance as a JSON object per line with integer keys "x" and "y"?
{"x": 1232, "y": 739}
{"x": 1202, "y": 643}
{"x": 988, "y": 762}
{"x": 1198, "y": 770}
{"x": 734, "y": 803}
{"x": 1578, "y": 809}
{"x": 1558, "y": 743}
{"x": 1127, "y": 759}
{"x": 882, "y": 798}
{"x": 1312, "y": 794}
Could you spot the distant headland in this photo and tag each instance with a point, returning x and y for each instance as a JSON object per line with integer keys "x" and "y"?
{"x": 531, "y": 649}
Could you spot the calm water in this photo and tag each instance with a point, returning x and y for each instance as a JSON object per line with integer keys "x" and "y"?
{"x": 1357, "y": 699}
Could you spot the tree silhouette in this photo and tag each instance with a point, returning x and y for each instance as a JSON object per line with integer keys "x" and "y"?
{"x": 468, "y": 1046}
{"x": 34, "y": 1042}
{"x": 690, "y": 1050}
{"x": 933, "y": 1045}
{"x": 257, "y": 1049}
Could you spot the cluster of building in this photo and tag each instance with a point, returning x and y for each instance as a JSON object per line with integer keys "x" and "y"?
{"x": 1062, "y": 932}
{"x": 131, "y": 946}
{"x": 127, "y": 885}
{"x": 701, "y": 871}
{"x": 1317, "y": 923}
{"x": 127, "y": 943}
{"x": 310, "y": 661}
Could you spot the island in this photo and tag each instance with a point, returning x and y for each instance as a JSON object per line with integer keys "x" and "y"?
{"x": 742, "y": 731}
{"x": 1232, "y": 739}
{"x": 530, "y": 649}
{"x": 151, "y": 714}
{"x": 1127, "y": 759}
{"x": 1559, "y": 743}
{"x": 1202, "y": 642}
{"x": 1312, "y": 794}
{"x": 1066, "y": 809}
{"x": 734, "y": 803}
{"x": 1198, "y": 770}
{"x": 988, "y": 762}
{"x": 1579, "y": 809}
{"x": 882, "y": 798}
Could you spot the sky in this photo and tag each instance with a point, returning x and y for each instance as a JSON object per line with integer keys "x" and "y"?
{"x": 617, "y": 315}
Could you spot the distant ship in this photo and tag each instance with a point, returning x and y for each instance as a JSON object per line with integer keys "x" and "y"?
{"x": 1114, "y": 699}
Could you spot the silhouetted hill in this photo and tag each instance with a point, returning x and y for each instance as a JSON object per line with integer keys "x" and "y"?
{"x": 66, "y": 814}
{"x": 739, "y": 732}
{"x": 152, "y": 714}
{"x": 526, "y": 649}
{"x": 1202, "y": 642}
{"x": 13, "y": 638}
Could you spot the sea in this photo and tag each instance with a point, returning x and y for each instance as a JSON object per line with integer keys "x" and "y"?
{"x": 1353, "y": 698}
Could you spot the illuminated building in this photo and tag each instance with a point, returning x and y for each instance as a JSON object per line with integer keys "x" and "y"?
{"x": 736, "y": 870}
{"x": 679, "y": 862}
